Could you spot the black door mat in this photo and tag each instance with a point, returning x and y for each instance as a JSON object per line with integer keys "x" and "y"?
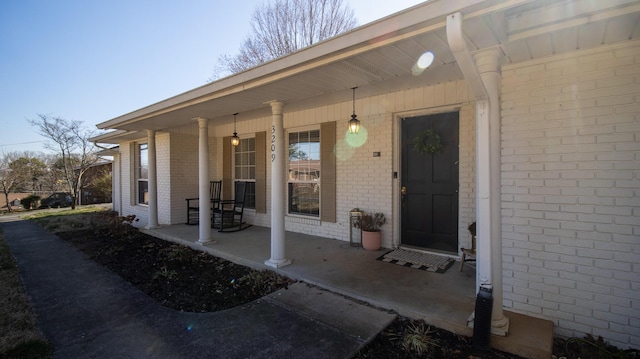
{"x": 418, "y": 260}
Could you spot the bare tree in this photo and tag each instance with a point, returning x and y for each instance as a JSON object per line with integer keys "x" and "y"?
{"x": 284, "y": 26}
{"x": 18, "y": 172}
{"x": 71, "y": 141}
{"x": 31, "y": 168}
{"x": 9, "y": 179}
{"x": 52, "y": 179}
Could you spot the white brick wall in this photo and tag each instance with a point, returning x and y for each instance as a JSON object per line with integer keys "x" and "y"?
{"x": 163, "y": 163}
{"x": 183, "y": 178}
{"x": 363, "y": 181}
{"x": 571, "y": 189}
{"x": 177, "y": 169}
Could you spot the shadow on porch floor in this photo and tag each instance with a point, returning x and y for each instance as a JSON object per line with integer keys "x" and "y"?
{"x": 444, "y": 300}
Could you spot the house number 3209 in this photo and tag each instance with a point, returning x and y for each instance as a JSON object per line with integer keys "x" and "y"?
{"x": 273, "y": 143}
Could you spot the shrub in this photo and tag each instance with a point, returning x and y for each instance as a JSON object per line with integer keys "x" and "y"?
{"x": 370, "y": 222}
{"x": 30, "y": 202}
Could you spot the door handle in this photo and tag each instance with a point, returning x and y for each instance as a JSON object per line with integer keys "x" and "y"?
{"x": 403, "y": 191}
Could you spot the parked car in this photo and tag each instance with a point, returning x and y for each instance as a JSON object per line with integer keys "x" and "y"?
{"x": 56, "y": 200}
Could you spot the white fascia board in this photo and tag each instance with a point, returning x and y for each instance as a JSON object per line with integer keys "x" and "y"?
{"x": 116, "y": 136}
{"x": 107, "y": 136}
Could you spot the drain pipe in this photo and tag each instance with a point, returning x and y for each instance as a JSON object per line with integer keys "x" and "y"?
{"x": 484, "y": 85}
{"x": 488, "y": 66}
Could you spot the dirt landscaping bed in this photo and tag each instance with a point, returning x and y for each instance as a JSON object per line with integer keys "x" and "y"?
{"x": 185, "y": 279}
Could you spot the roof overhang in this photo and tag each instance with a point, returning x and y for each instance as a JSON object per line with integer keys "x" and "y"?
{"x": 117, "y": 136}
{"x": 379, "y": 58}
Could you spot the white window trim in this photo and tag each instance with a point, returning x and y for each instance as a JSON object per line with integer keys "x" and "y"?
{"x": 300, "y": 215}
{"x": 136, "y": 173}
{"x": 233, "y": 169}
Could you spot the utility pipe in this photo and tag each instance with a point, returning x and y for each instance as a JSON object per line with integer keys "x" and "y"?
{"x": 483, "y": 77}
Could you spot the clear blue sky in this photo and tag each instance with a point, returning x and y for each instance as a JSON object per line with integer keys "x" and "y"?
{"x": 93, "y": 60}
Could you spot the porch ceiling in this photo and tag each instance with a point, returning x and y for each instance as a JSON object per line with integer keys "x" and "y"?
{"x": 379, "y": 57}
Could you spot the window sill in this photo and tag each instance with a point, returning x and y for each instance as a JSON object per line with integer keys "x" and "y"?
{"x": 292, "y": 218}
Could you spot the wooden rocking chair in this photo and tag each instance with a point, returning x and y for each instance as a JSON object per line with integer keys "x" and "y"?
{"x": 193, "y": 204}
{"x": 469, "y": 254}
{"x": 228, "y": 217}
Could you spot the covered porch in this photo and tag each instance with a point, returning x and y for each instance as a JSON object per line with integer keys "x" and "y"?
{"x": 444, "y": 300}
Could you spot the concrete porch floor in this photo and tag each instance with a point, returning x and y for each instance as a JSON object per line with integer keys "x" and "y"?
{"x": 443, "y": 300}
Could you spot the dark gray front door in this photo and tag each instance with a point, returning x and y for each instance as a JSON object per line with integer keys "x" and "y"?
{"x": 429, "y": 217}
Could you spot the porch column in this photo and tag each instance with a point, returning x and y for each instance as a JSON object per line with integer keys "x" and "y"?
{"x": 278, "y": 194}
{"x": 489, "y": 207}
{"x": 116, "y": 182}
{"x": 204, "y": 224}
{"x": 153, "y": 181}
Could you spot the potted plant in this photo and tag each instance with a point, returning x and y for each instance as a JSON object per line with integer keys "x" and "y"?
{"x": 370, "y": 224}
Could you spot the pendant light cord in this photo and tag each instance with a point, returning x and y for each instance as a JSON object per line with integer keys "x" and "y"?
{"x": 354, "y": 99}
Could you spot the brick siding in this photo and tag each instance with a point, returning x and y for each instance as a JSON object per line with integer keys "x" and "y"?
{"x": 571, "y": 191}
{"x": 363, "y": 181}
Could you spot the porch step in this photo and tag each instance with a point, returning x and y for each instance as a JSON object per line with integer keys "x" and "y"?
{"x": 528, "y": 337}
{"x": 347, "y": 316}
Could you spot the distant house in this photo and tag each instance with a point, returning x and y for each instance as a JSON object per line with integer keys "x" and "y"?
{"x": 14, "y": 198}
{"x": 536, "y": 105}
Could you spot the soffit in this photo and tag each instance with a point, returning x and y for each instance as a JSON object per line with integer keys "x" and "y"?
{"x": 523, "y": 30}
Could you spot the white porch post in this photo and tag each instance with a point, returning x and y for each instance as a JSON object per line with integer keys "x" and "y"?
{"x": 483, "y": 198}
{"x": 153, "y": 180}
{"x": 116, "y": 181}
{"x": 204, "y": 224}
{"x": 278, "y": 195}
{"x": 487, "y": 62}
{"x": 482, "y": 73}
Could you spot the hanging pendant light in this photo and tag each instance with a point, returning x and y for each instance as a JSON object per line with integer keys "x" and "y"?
{"x": 235, "y": 140}
{"x": 354, "y": 124}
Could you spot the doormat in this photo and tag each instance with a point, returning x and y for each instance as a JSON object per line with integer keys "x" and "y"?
{"x": 412, "y": 259}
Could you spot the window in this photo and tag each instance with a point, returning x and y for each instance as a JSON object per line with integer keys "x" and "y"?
{"x": 142, "y": 174}
{"x": 245, "y": 169}
{"x": 304, "y": 173}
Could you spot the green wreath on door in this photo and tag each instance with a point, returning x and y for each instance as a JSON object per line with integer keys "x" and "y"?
{"x": 427, "y": 141}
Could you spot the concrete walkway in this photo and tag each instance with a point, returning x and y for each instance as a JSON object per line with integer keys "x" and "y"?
{"x": 87, "y": 311}
{"x": 444, "y": 300}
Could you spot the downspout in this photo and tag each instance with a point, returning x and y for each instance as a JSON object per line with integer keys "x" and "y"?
{"x": 483, "y": 82}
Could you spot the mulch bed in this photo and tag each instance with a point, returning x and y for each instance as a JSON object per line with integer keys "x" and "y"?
{"x": 177, "y": 276}
{"x": 193, "y": 281}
